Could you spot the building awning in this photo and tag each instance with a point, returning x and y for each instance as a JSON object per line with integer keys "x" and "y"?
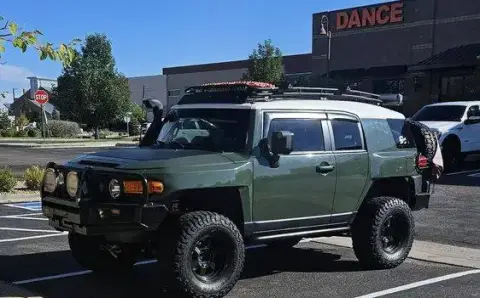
{"x": 461, "y": 56}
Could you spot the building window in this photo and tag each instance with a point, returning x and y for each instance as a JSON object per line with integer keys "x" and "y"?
{"x": 389, "y": 86}
{"x": 459, "y": 87}
{"x": 174, "y": 92}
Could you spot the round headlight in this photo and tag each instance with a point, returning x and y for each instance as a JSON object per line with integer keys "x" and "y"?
{"x": 72, "y": 183}
{"x": 50, "y": 180}
{"x": 114, "y": 188}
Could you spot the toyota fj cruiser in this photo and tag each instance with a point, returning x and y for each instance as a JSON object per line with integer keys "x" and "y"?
{"x": 243, "y": 163}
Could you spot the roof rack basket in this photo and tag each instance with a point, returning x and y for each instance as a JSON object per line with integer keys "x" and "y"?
{"x": 258, "y": 91}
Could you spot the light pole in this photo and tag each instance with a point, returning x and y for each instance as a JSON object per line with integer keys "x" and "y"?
{"x": 325, "y": 31}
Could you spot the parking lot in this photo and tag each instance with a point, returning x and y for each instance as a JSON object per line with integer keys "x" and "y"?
{"x": 36, "y": 257}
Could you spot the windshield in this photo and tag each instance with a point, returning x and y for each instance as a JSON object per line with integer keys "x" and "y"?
{"x": 223, "y": 130}
{"x": 440, "y": 113}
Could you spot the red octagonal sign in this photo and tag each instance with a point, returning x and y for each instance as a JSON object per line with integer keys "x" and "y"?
{"x": 41, "y": 96}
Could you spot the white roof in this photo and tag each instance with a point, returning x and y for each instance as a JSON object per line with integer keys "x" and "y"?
{"x": 455, "y": 103}
{"x": 362, "y": 110}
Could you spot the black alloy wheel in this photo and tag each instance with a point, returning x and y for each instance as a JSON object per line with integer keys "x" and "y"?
{"x": 210, "y": 257}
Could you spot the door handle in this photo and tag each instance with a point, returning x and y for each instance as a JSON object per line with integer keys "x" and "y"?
{"x": 325, "y": 168}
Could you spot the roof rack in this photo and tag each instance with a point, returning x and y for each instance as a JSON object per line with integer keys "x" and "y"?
{"x": 252, "y": 91}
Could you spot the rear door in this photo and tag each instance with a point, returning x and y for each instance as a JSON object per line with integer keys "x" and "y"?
{"x": 352, "y": 164}
{"x": 300, "y": 192}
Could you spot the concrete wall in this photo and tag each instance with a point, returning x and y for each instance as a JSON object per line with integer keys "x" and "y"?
{"x": 148, "y": 87}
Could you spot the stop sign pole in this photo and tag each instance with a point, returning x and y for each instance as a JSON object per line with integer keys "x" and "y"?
{"x": 41, "y": 96}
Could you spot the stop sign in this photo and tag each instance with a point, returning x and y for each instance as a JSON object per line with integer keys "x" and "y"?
{"x": 41, "y": 96}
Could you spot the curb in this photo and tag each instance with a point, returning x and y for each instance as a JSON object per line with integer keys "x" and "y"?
{"x": 425, "y": 251}
{"x": 67, "y": 145}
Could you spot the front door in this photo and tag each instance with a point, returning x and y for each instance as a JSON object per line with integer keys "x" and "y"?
{"x": 470, "y": 133}
{"x": 301, "y": 190}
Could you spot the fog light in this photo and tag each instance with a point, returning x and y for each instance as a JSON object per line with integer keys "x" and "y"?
{"x": 114, "y": 188}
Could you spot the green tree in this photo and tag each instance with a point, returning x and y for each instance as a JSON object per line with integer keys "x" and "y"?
{"x": 138, "y": 113}
{"x": 22, "y": 121}
{"x": 265, "y": 64}
{"x": 92, "y": 84}
{"x": 12, "y": 34}
{"x": 4, "y": 121}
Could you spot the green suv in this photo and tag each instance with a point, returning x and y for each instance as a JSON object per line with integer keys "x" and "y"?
{"x": 239, "y": 164}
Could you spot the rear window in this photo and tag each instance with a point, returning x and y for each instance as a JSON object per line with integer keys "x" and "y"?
{"x": 402, "y": 135}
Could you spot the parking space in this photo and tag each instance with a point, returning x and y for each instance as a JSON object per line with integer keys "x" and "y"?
{"x": 36, "y": 257}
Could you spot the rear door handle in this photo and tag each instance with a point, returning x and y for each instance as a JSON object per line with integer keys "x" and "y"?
{"x": 325, "y": 168}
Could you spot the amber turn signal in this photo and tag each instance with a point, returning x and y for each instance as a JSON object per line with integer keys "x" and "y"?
{"x": 155, "y": 187}
{"x": 132, "y": 187}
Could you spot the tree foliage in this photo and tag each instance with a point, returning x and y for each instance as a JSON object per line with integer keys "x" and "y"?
{"x": 138, "y": 113}
{"x": 266, "y": 64}
{"x": 91, "y": 90}
{"x": 11, "y": 33}
{"x": 5, "y": 123}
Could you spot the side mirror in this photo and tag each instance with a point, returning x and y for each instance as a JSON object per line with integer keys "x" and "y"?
{"x": 472, "y": 120}
{"x": 282, "y": 142}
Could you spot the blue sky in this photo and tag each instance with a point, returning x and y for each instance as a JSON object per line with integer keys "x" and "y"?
{"x": 148, "y": 35}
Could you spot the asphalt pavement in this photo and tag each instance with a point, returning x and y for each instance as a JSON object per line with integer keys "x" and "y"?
{"x": 18, "y": 159}
{"x": 36, "y": 257}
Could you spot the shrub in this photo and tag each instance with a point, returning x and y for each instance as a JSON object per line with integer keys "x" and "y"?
{"x": 7, "y": 180}
{"x": 20, "y": 134}
{"x": 33, "y": 177}
{"x": 34, "y": 133}
{"x": 63, "y": 129}
{"x": 134, "y": 128}
{"x": 4, "y": 121}
{"x": 7, "y": 133}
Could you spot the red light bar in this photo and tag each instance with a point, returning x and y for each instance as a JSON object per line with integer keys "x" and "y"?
{"x": 245, "y": 83}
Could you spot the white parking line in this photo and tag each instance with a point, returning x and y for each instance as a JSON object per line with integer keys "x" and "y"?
{"x": 20, "y": 215}
{"x": 28, "y": 230}
{"x": 463, "y": 172}
{"x": 77, "y": 273}
{"x": 419, "y": 284}
{"x": 32, "y": 237}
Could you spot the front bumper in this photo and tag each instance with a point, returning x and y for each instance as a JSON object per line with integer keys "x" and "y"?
{"x": 101, "y": 219}
{"x": 91, "y": 214}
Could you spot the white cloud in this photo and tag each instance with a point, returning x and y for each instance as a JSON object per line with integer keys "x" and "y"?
{"x": 15, "y": 74}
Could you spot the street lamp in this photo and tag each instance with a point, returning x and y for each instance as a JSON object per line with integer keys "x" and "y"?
{"x": 325, "y": 31}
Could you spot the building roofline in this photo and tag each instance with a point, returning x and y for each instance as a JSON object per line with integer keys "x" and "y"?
{"x": 358, "y": 7}
{"x": 226, "y": 65}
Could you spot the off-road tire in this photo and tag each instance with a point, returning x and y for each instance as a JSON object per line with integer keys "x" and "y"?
{"x": 425, "y": 139}
{"x": 367, "y": 232}
{"x": 175, "y": 247}
{"x": 86, "y": 250}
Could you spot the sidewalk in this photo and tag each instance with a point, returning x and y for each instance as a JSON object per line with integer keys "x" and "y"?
{"x": 47, "y": 145}
{"x": 7, "y": 198}
{"x": 10, "y": 291}
{"x": 425, "y": 251}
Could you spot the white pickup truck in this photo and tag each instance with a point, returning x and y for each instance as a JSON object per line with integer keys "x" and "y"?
{"x": 457, "y": 125}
